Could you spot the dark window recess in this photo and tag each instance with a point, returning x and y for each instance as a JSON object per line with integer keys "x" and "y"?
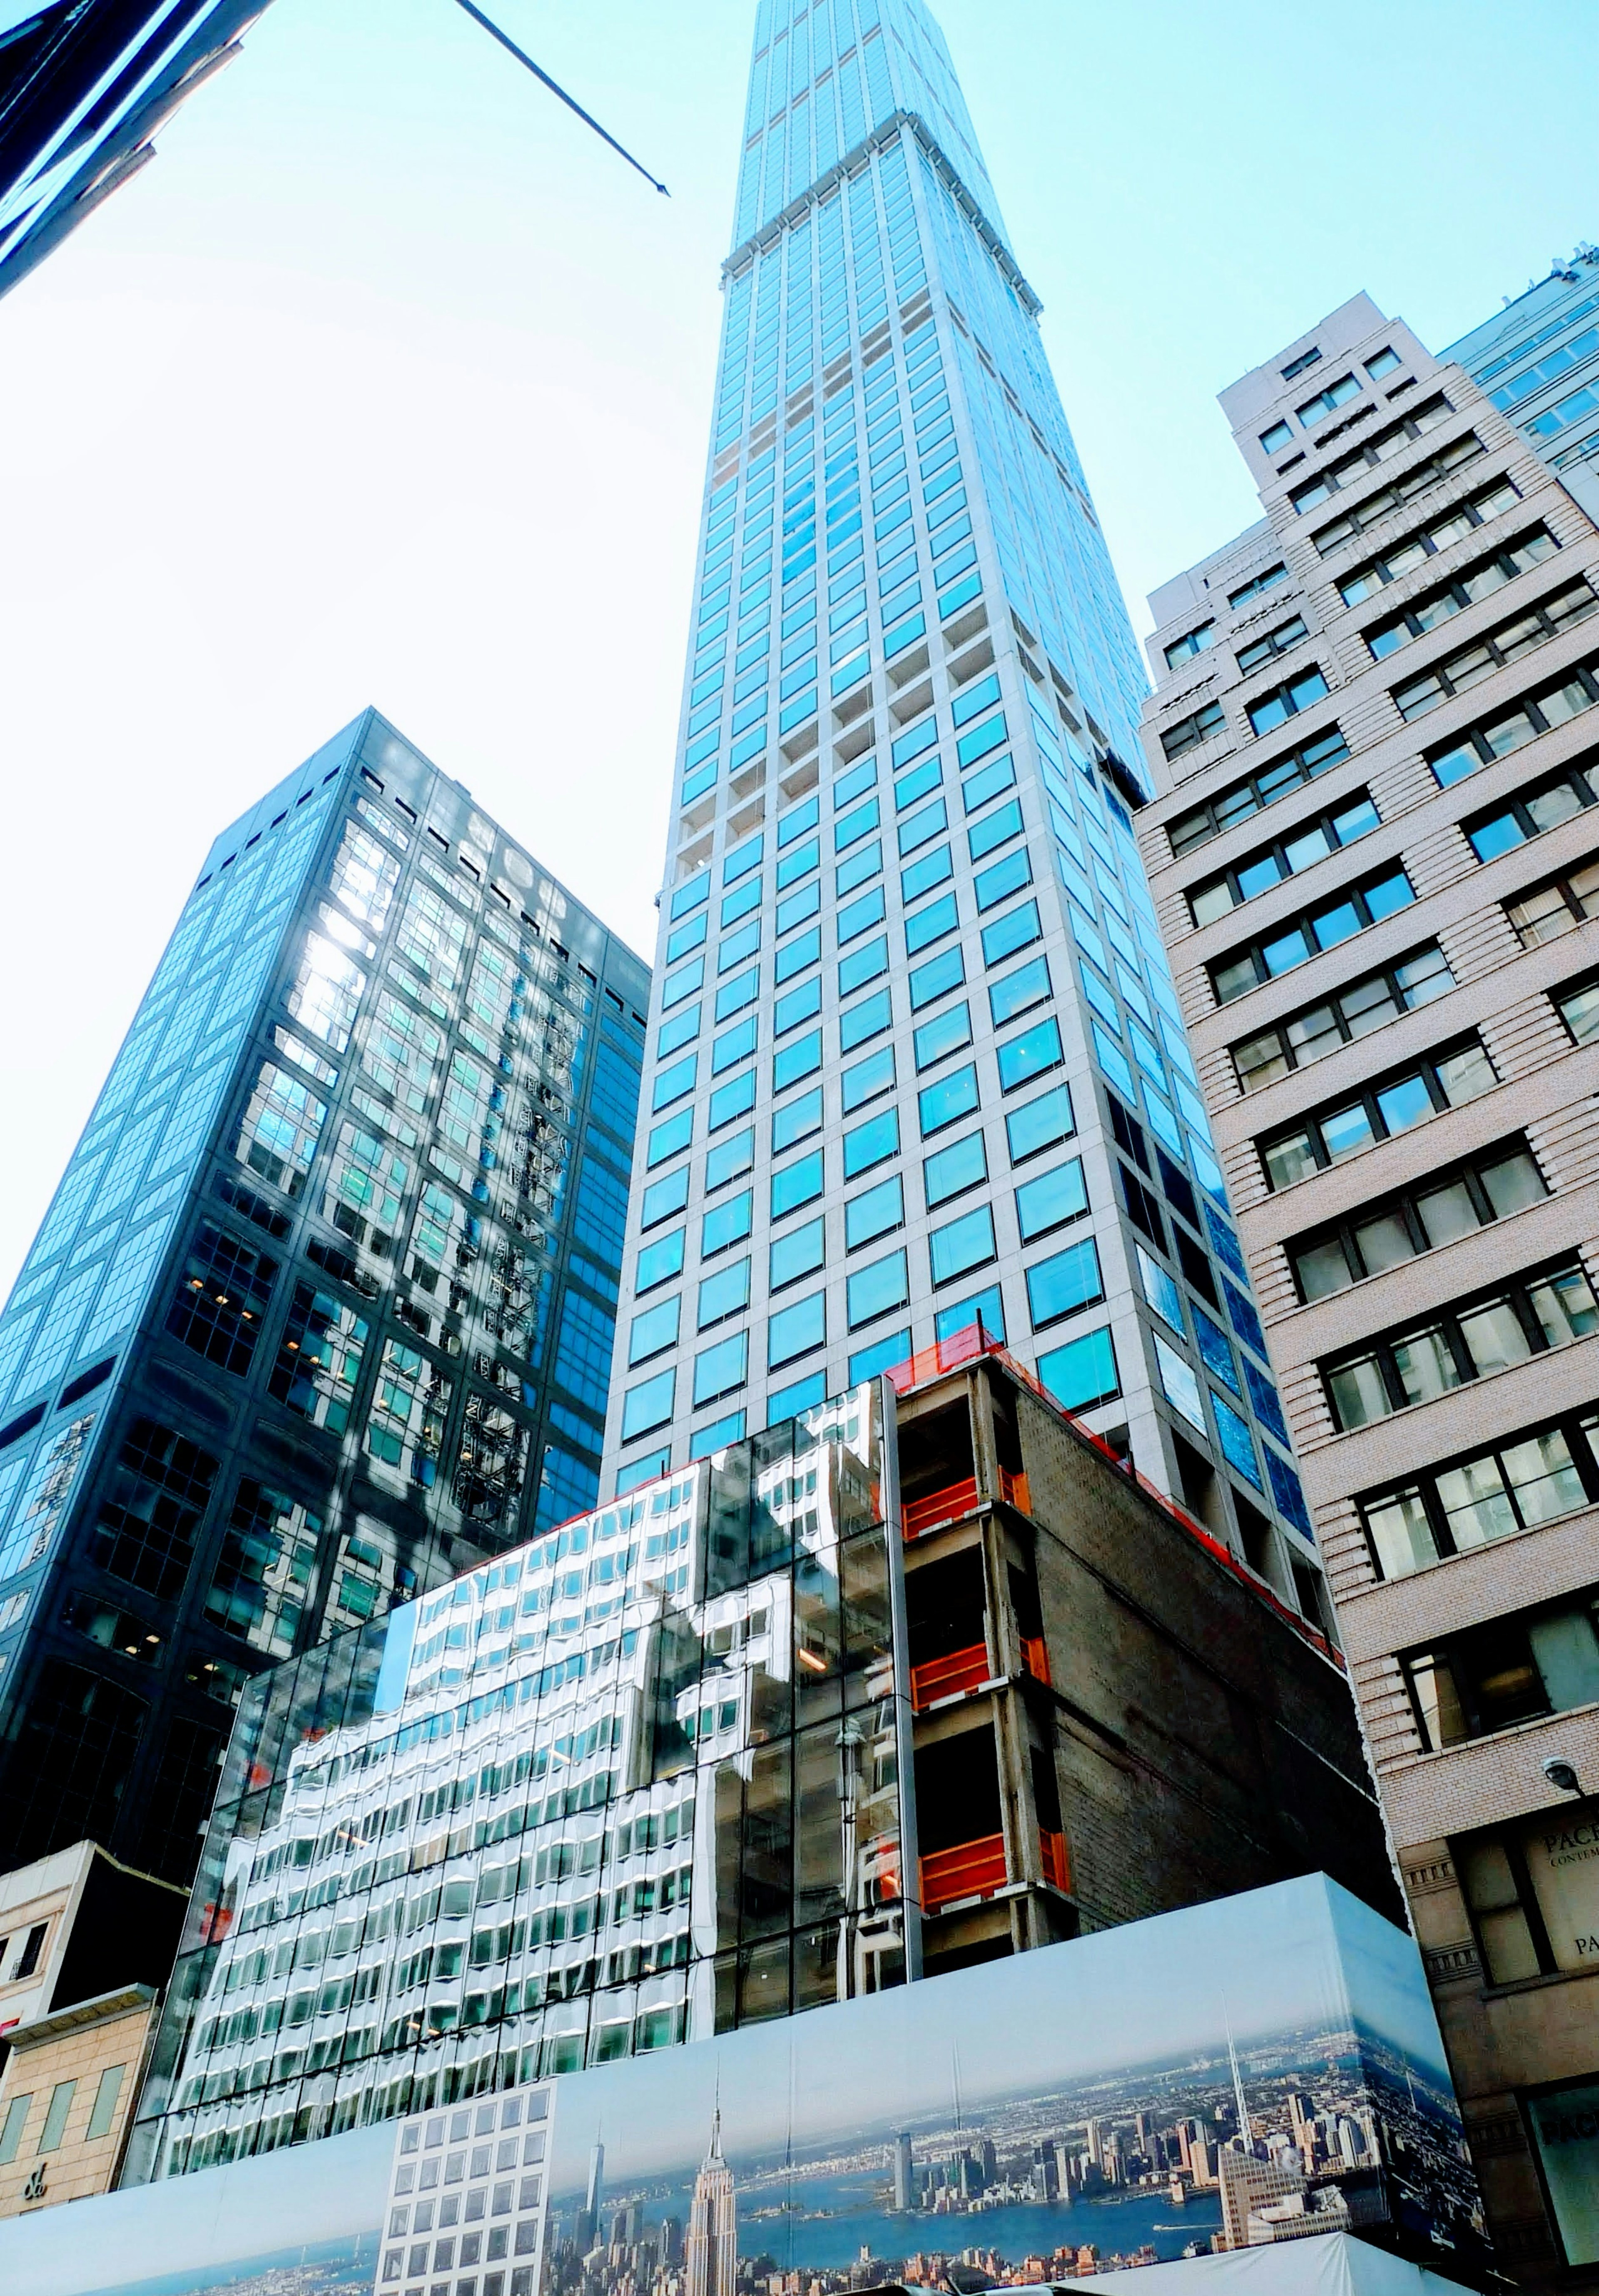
{"x": 1267, "y": 579}
{"x": 86, "y": 1382}
{"x": 1578, "y": 1005}
{"x": 222, "y": 1296}
{"x": 1413, "y": 550}
{"x": 1488, "y": 1332}
{"x": 1514, "y": 1485}
{"x": 1180, "y": 1193}
{"x": 1447, "y": 1078}
{"x": 1196, "y": 1267}
{"x": 1518, "y": 1882}
{"x": 1544, "y": 805}
{"x": 1144, "y": 1206}
{"x": 1267, "y": 711}
{"x": 149, "y": 1517}
{"x": 251, "y": 1207}
{"x": 1189, "y": 732}
{"x": 1556, "y": 908}
{"x": 1468, "y": 666}
{"x": 957, "y": 1792}
{"x": 1537, "y": 1661}
{"x": 340, "y": 1265}
{"x": 1299, "y": 848}
{"x": 22, "y": 1424}
{"x": 1411, "y": 981}
{"x": 1571, "y": 695}
{"x": 1349, "y": 469}
{"x": 1128, "y": 1131}
{"x": 175, "y": 1814}
{"x": 1295, "y": 940}
{"x": 1280, "y": 640}
{"x": 1452, "y": 1202}
{"x": 75, "y": 1748}
{"x": 1432, "y": 608}
{"x": 113, "y": 1629}
{"x": 1264, "y": 787}
{"x": 28, "y": 1960}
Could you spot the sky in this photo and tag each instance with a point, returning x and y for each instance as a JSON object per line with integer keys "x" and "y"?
{"x": 389, "y": 383}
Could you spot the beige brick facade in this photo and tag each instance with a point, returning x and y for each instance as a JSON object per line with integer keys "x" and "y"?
{"x": 65, "y": 2097}
{"x": 1509, "y": 2038}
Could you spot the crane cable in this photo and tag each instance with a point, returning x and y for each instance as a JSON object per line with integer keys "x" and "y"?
{"x": 554, "y": 87}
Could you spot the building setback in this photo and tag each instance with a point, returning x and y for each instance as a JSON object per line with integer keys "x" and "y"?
{"x": 915, "y": 1055}
{"x": 322, "y": 1309}
{"x": 911, "y": 1682}
{"x": 1375, "y": 853}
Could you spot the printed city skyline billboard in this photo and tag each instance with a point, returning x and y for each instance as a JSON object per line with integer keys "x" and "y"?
{"x": 1261, "y": 2068}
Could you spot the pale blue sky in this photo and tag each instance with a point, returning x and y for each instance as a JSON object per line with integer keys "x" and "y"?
{"x": 386, "y": 383}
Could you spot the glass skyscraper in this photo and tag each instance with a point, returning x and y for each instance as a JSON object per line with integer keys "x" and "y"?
{"x": 320, "y": 1314}
{"x": 916, "y": 1057}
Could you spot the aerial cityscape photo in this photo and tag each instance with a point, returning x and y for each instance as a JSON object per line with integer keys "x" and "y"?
{"x": 798, "y": 1287}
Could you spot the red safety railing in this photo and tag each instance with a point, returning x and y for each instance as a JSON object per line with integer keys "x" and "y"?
{"x": 1035, "y": 1657}
{"x": 919, "y": 1516}
{"x": 947, "y": 1677}
{"x": 974, "y": 1869}
{"x": 1057, "y": 1865}
{"x": 968, "y": 1346}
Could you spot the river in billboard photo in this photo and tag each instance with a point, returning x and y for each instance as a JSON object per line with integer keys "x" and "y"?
{"x": 1256, "y": 2070}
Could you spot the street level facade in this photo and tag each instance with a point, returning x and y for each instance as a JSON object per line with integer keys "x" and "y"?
{"x": 322, "y": 1309}
{"x": 1374, "y": 854}
{"x": 915, "y": 1053}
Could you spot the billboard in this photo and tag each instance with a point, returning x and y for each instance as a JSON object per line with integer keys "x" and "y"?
{"x": 1259, "y": 2070}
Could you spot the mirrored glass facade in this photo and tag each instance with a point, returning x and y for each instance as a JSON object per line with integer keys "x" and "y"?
{"x": 322, "y": 1310}
{"x": 915, "y": 1056}
{"x": 633, "y": 1783}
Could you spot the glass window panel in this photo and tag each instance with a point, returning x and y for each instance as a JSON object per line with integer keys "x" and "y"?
{"x": 1400, "y": 1533}
{"x": 1544, "y": 1477}
{"x": 1346, "y": 1130}
{"x": 1051, "y": 1201}
{"x": 946, "y": 1101}
{"x": 875, "y": 1213}
{"x": 1358, "y": 1393}
{"x": 1513, "y": 1183}
{"x": 1313, "y": 1034}
{"x": 1290, "y": 1160}
{"x": 1566, "y": 1307}
{"x": 1438, "y": 1709}
{"x": 1448, "y": 1212}
{"x": 1465, "y": 1075}
{"x": 872, "y": 1290}
{"x": 1425, "y": 1365}
{"x": 1383, "y": 1243}
{"x": 1406, "y": 1103}
{"x": 1494, "y": 1337}
{"x": 799, "y": 1253}
{"x": 1323, "y": 1269}
{"x": 1476, "y": 1503}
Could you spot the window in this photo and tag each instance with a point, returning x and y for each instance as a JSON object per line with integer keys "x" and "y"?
{"x": 1455, "y": 1201}
{"x": 1028, "y": 985}
{"x": 1366, "y": 1003}
{"x": 1018, "y": 929}
{"x": 1565, "y": 2121}
{"x": 1278, "y": 780}
{"x": 1514, "y": 1669}
{"x": 871, "y": 1291}
{"x": 1022, "y": 1060}
{"x": 103, "y": 2112}
{"x": 798, "y": 1183}
{"x": 1270, "y": 710}
{"x": 1576, "y": 691}
{"x": 796, "y": 1119}
{"x": 1336, "y": 394}
{"x": 1082, "y": 1375}
{"x": 1298, "y": 365}
{"x": 1040, "y": 1124}
{"x": 265, "y": 1569}
{"x": 653, "y": 1332}
{"x": 1447, "y": 1079}
{"x": 319, "y": 1358}
{"x": 1189, "y": 732}
{"x": 1484, "y": 1334}
{"x": 649, "y": 1405}
{"x": 1297, "y": 849}
{"x": 1579, "y": 1008}
{"x": 148, "y": 1520}
{"x": 794, "y": 1330}
{"x": 956, "y": 1250}
{"x": 963, "y": 1165}
{"x": 1457, "y": 672}
{"x": 937, "y": 978}
{"x": 410, "y": 1401}
{"x": 278, "y": 1133}
{"x": 1468, "y": 588}
{"x": 222, "y": 1295}
{"x": 1403, "y": 557}
{"x": 876, "y": 1212}
{"x": 1488, "y": 1495}
{"x": 12, "y": 2127}
{"x": 1192, "y": 642}
{"x": 727, "y": 1223}
{"x": 1262, "y": 649}
{"x": 1053, "y": 1201}
{"x": 721, "y": 1370}
{"x": 864, "y": 1021}
{"x": 799, "y": 1253}
{"x": 946, "y": 1102}
{"x": 936, "y": 1039}
{"x": 1280, "y": 435}
{"x": 1064, "y": 1283}
{"x": 1297, "y": 940}
{"x": 1381, "y": 447}
{"x": 1520, "y": 818}
{"x": 1257, "y": 586}
{"x": 1557, "y": 907}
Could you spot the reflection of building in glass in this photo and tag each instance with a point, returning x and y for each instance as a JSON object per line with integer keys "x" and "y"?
{"x": 592, "y": 1805}
{"x": 711, "y": 2254}
{"x": 321, "y": 1312}
{"x": 746, "y": 1740}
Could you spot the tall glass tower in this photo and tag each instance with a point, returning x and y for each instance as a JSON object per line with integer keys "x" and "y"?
{"x": 915, "y": 1053}
{"x": 321, "y": 1313}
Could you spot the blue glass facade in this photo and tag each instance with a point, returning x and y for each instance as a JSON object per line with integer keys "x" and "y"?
{"x": 325, "y": 1298}
{"x": 916, "y": 1055}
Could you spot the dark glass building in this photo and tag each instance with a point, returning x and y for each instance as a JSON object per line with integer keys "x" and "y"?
{"x": 320, "y": 1314}
{"x": 83, "y": 87}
